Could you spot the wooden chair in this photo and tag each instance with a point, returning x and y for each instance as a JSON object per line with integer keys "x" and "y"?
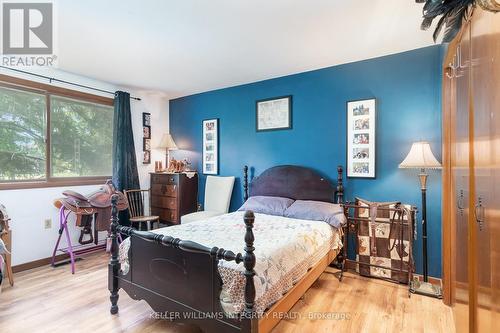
{"x": 136, "y": 206}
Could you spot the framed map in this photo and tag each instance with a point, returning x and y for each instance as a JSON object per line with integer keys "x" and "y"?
{"x": 274, "y": 114}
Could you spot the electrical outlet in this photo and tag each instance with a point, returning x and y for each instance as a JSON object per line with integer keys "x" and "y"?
{"x": 47, "y": 223}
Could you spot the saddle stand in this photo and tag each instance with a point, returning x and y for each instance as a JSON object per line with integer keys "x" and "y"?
{"x": 74, "y": 252}
{"x": 93, "y": 207}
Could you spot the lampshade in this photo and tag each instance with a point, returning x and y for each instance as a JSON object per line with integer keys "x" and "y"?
{"x": 167, "y": 142}
{"x": 420, "y": 157}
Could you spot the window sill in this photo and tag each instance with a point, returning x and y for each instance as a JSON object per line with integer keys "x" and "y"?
{"x": 57, "y": 182}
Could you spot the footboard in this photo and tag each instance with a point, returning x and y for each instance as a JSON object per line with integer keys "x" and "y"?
{"x": 180, "y": 279}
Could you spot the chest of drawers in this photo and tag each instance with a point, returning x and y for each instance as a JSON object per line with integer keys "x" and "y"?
{"x": 173, "y": 195}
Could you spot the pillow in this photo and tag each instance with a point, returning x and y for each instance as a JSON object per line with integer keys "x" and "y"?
{"x": 267, "y": 205}
{"x": 333, "y": 214}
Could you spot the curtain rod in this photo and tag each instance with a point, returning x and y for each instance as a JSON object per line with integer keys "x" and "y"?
{"x": 52, "y": 79}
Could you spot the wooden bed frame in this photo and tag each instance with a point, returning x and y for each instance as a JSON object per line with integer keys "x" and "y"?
{"x": 180, "y": 280}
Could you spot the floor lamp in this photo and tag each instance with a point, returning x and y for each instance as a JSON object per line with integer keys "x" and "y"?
{"x": 421, "y": 157}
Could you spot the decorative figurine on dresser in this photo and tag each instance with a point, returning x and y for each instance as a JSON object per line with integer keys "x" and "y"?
{"x": 173, "y": 195}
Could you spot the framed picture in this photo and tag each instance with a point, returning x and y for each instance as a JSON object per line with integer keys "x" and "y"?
{"x": 146, "y": 144}
{"x": 361, "y": 138}
{"x": 146, "y": 157}
{"x": 146, "y": 119}
{"x": 210, "y": 146}
{"x": 146, "y": 132}
{"x": 146, "y": 141}
{"x": 274, "y": 114}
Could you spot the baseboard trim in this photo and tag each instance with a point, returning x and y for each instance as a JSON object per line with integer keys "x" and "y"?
{"x": 38, "y": 263}
{"x": 60, "y": 257}
{"x": 434, "y": 280}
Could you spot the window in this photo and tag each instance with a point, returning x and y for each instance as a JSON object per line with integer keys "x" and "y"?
{"x": 51, "y": 139}
{"x": 22, "y": 135}
{"x": 81, "y": 138}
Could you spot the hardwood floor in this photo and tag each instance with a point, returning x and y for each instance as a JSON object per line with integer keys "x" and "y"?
{"x": 52, "y": 300}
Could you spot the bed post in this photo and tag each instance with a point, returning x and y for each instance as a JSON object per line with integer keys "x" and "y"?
{"x": 245, "y": 183}
{"x": 340, "y": 185}
{"x": 249, "y": 263}
{"x": 342, "y": 255}
{"x": 114, "y": 263}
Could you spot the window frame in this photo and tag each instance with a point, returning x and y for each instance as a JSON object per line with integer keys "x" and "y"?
{"x": 48, "y": 91}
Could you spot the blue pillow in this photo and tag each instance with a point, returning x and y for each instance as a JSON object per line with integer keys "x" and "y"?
{"x": 333, "y": 214}
{"x": 267, "y": 205}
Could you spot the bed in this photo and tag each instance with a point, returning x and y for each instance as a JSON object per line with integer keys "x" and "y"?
{"x": 189, "y": 273}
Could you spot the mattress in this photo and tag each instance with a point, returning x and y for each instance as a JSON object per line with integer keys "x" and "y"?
{"x": 285, "y": 249}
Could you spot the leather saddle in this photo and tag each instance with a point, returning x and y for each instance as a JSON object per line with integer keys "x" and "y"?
{"x": 101, "y": 198}
{"x": 97, "y": 203}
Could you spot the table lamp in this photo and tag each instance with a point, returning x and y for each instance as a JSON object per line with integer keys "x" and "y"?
{"x": 421, "y": 157}
{"x": 167, "y": 143}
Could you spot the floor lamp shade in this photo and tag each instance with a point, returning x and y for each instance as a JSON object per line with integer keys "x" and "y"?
{"x": 420, "y": 157}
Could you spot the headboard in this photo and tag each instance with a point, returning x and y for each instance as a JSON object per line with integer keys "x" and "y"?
{"x": 294, "y": 182}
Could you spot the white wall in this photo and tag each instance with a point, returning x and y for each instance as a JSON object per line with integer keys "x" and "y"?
{"x": 157, "y": 105}
{"x": 28, "y": 208}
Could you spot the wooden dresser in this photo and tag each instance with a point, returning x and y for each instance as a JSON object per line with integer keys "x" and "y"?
{"x": 173, "y": 195}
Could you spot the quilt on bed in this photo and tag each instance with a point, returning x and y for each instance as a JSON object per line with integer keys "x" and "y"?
{"x": 285, "y": 249}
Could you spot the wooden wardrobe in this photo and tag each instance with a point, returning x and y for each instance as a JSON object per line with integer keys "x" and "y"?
{"x": 471, "y": 175}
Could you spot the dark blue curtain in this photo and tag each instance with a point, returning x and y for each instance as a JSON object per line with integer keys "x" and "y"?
{"x": 125, "y": 174}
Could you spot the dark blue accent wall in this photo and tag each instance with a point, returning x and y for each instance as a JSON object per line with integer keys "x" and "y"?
{"x": 408, "y": 91}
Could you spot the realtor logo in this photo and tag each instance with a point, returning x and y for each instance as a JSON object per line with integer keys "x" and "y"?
{"x": 27, "y": 28}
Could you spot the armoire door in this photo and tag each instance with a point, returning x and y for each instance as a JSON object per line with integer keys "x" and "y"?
{"x": 473, "y": 98}
{"x": 460, "y": 184}
{"x": 461, "y": 181}
{"x": 494, "y": 210}
{"x": 485, "y": 41}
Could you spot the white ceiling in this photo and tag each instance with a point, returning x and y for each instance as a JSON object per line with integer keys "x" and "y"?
{"x": 187, "y": 46}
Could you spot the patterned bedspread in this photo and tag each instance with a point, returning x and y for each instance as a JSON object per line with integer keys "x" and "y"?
{"x": 285, "y": 249}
